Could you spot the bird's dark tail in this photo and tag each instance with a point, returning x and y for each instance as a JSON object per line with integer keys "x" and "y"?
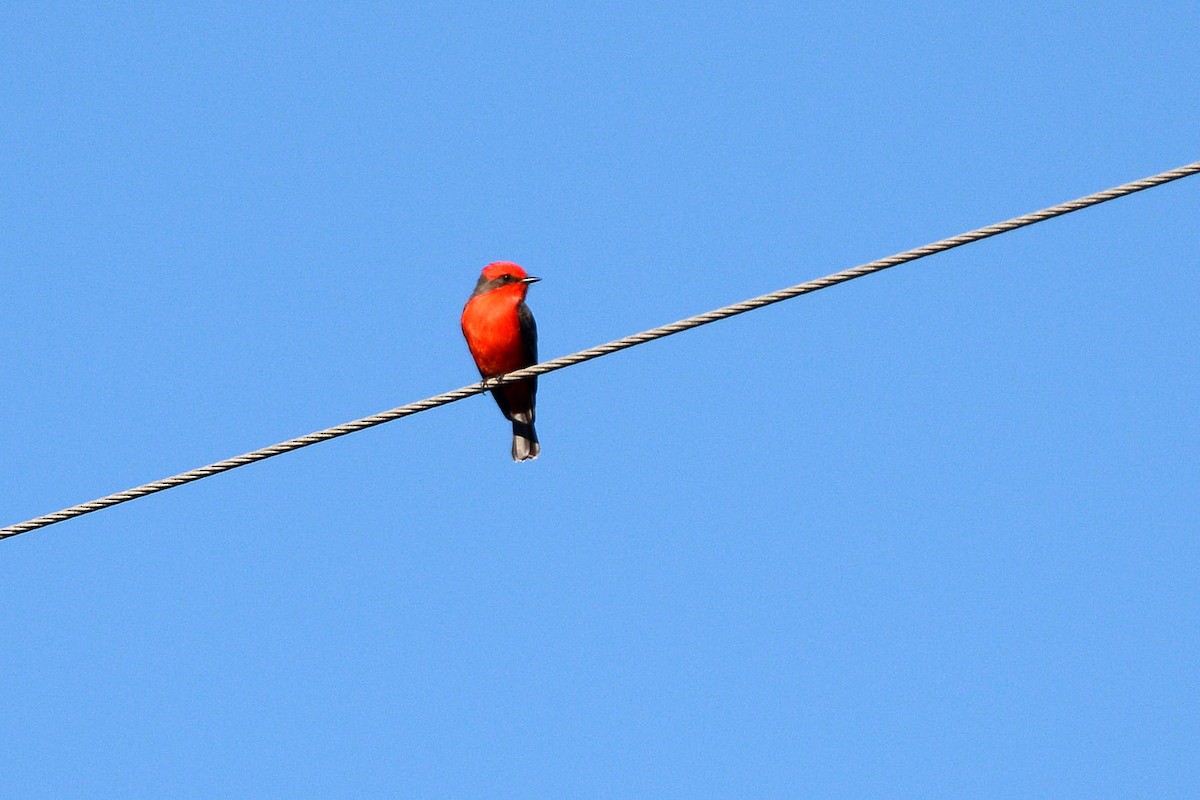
{"x": 525, "y": 442}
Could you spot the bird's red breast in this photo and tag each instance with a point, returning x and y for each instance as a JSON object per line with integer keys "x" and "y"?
{"x": 492, "y": 327}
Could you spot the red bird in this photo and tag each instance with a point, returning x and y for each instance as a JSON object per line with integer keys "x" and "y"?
{"x": 502, "y": 336}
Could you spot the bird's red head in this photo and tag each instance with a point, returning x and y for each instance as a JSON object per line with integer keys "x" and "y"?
{"x": 506, "y": 276}
{"x": 498, "y": 269}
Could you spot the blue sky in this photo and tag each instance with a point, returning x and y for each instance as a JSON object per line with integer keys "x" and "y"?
{"x": 931, "y": 533}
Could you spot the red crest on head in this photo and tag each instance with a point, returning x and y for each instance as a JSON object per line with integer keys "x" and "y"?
{"x": 499, "y": 268}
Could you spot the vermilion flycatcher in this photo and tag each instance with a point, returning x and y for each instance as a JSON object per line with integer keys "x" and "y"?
{"x": 502, "y": 336}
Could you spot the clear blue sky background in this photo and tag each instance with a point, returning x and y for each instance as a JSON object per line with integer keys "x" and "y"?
{"x": 931, "y": 533}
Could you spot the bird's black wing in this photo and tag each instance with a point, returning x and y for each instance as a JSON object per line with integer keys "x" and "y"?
{"x": 528, "y": 334}
{"x": 529, "y": 341}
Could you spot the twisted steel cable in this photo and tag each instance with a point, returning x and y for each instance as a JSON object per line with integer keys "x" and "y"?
{"x": 604, "y": 349}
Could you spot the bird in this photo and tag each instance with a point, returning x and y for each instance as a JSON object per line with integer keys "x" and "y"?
{"x": 502, "y": 337}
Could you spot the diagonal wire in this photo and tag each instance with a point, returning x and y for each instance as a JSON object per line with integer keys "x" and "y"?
{"x": 603, "y": 350}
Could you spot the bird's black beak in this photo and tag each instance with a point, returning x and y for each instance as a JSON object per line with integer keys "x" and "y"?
{"x": 530, "y": 279}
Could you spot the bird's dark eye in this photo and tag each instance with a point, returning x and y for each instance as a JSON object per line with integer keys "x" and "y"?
{"x": 507, "y": 279}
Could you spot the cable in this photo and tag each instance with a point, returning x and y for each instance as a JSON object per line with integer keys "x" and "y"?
{"x": 603, "y": 350}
